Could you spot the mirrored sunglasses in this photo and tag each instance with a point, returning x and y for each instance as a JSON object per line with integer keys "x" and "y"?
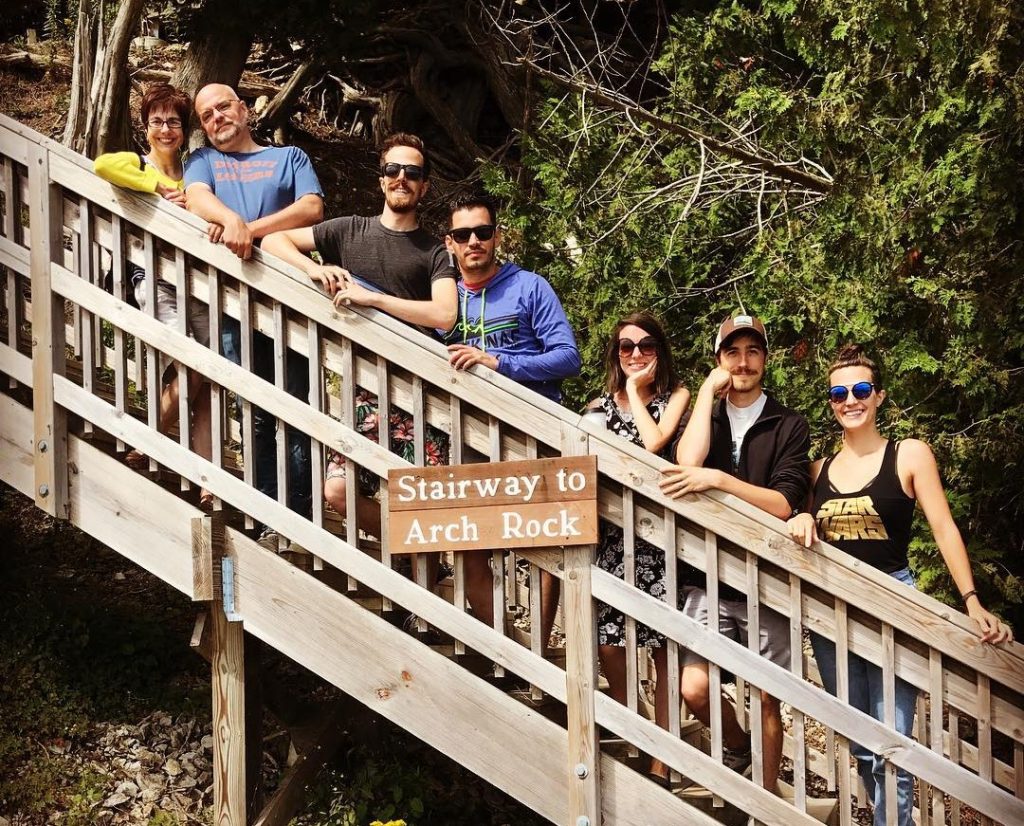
{"x": 484, "y": 232}
{"x": 648, "y": 346}
{"x": 861, "y": 390}
{"x": 413, "y": 172}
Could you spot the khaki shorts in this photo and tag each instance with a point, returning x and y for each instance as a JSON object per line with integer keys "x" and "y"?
{"x": 732, "y": 623}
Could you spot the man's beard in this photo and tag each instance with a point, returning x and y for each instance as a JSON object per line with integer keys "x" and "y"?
{"x": 751, "y": 379}
{"x": 477, "y": 264}
{"x": 401, "y": 202}
{"x": 229, "y": 132}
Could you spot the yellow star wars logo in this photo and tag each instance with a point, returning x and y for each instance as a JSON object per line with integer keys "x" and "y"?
{"x": 851, "y": 518}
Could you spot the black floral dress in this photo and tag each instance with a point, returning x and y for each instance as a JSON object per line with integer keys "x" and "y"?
{"x": 650, "y": 560}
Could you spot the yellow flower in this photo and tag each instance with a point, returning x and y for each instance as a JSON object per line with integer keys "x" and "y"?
{"x": 389, "y": 823}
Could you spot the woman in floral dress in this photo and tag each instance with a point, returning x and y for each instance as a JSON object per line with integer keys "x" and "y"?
{"x": 644, "y": 402}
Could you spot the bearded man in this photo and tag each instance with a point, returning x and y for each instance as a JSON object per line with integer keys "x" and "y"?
{"x": 388, "y": 262}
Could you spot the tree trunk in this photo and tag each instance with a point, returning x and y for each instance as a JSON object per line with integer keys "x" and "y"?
{"x": 81, "y": 77}
{"x": 276, "y": 113}
{"x": 506, "y": 79}
{"x": 109, "y": 125}
{"x": 220, "y": 45}
{"x": 423, "y": 80}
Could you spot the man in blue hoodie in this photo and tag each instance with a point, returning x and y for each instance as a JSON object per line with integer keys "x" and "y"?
{"x": 510, "y": 320}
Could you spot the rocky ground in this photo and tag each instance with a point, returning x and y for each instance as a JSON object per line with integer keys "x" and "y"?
{"x": 159, "y": 765}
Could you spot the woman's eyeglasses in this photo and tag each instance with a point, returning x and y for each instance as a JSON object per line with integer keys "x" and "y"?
{"x": 413, "y": 172}
{"x": 160, "y": 123}
{"x": 861, "y": 390}
{"x": 648, "y": 346}
{"x": 484, "y": 232}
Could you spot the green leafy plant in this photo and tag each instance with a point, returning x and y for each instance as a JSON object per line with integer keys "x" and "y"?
{"x": 915, "y": 112}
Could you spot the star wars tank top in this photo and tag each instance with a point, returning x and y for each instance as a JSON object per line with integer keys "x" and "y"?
{"x": 873, "y": 523}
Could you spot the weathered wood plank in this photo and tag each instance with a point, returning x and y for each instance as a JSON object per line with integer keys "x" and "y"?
{"x": 105, "y": 500}
{"x": 901, "y": 750}
{"x": 50, "y": 420}
{"x": 229, "y": 735}
{"x": 583, "y": 766}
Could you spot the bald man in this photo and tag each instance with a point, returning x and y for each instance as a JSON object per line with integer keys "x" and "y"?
{"x": 246, "y": 191}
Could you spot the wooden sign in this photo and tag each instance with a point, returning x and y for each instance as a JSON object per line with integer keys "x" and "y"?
{"x": 528, "y": 504}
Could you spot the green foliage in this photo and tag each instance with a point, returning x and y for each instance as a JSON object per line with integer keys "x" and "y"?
{"x": 915, "y": 110}
{"x": 83, "y": 800}
{"x": 58, "y": 20}
{"x": 164, "y": 819}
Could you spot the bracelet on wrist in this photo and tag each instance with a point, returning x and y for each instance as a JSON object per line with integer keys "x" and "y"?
{"x": 972, "y": 593}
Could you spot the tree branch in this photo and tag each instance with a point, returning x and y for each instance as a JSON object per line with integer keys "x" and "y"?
{"x": 815, "y": 183}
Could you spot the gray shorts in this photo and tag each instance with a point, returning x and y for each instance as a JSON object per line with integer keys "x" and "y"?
{"x": 732, "y": 623}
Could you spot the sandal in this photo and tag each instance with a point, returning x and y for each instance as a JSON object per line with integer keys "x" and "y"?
{"x": 206, "y": 501}
{"x": 136, "y": 460}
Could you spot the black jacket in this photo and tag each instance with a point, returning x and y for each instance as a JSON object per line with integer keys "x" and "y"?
{"x": 774, "y": 454}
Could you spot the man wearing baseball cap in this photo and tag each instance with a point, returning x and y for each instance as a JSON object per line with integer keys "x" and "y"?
{"x": 741, "y": 441}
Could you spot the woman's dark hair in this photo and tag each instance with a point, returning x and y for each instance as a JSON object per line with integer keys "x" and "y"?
{"x": 163, "y": 94}
{"x": 853, "y": 355}
{"x": 666, "y": 379}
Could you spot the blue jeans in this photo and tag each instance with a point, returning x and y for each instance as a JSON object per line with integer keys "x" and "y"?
{"x": 866, "y": 695}
{"x": 264, "y": 448}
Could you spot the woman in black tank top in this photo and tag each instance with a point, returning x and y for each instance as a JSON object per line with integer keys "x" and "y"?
{"x": 862, "y": 502}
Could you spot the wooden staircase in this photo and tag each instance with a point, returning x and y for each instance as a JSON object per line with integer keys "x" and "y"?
{"x": 78, "y": 391}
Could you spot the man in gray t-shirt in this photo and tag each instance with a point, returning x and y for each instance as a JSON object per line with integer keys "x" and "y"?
{"x": 387, "y": 262}
{"x": 402, "y": 264}
{"x": 392, "y": 264}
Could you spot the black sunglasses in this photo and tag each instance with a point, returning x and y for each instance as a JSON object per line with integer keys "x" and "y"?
{"x": 861, "y": 390}
{"x": 413, "y": 172}
{"x": 484, "y": 232}
{"x": 648, "y": 346}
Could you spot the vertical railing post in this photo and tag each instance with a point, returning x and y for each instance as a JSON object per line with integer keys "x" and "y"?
{"x": 580, "y": 670}
{"x": 49, "y": 419}
{"x": 227, "y": 648}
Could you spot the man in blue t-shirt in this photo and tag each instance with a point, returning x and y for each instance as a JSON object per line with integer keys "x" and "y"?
{"x": 246, "y": 191}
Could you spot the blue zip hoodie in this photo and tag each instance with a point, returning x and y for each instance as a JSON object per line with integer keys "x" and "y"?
{"x": 517, "y": 317}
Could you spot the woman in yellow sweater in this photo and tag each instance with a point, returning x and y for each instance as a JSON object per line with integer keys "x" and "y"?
{"x": 165, "y": 113}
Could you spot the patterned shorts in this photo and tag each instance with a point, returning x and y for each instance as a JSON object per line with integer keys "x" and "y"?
{"x": 401, "y": 432}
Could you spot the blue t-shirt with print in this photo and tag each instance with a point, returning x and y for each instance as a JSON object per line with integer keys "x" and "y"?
{"x": 254, "y": 184}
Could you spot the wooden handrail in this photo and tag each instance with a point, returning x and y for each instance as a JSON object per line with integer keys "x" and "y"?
{"x": 741, "y": 545}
